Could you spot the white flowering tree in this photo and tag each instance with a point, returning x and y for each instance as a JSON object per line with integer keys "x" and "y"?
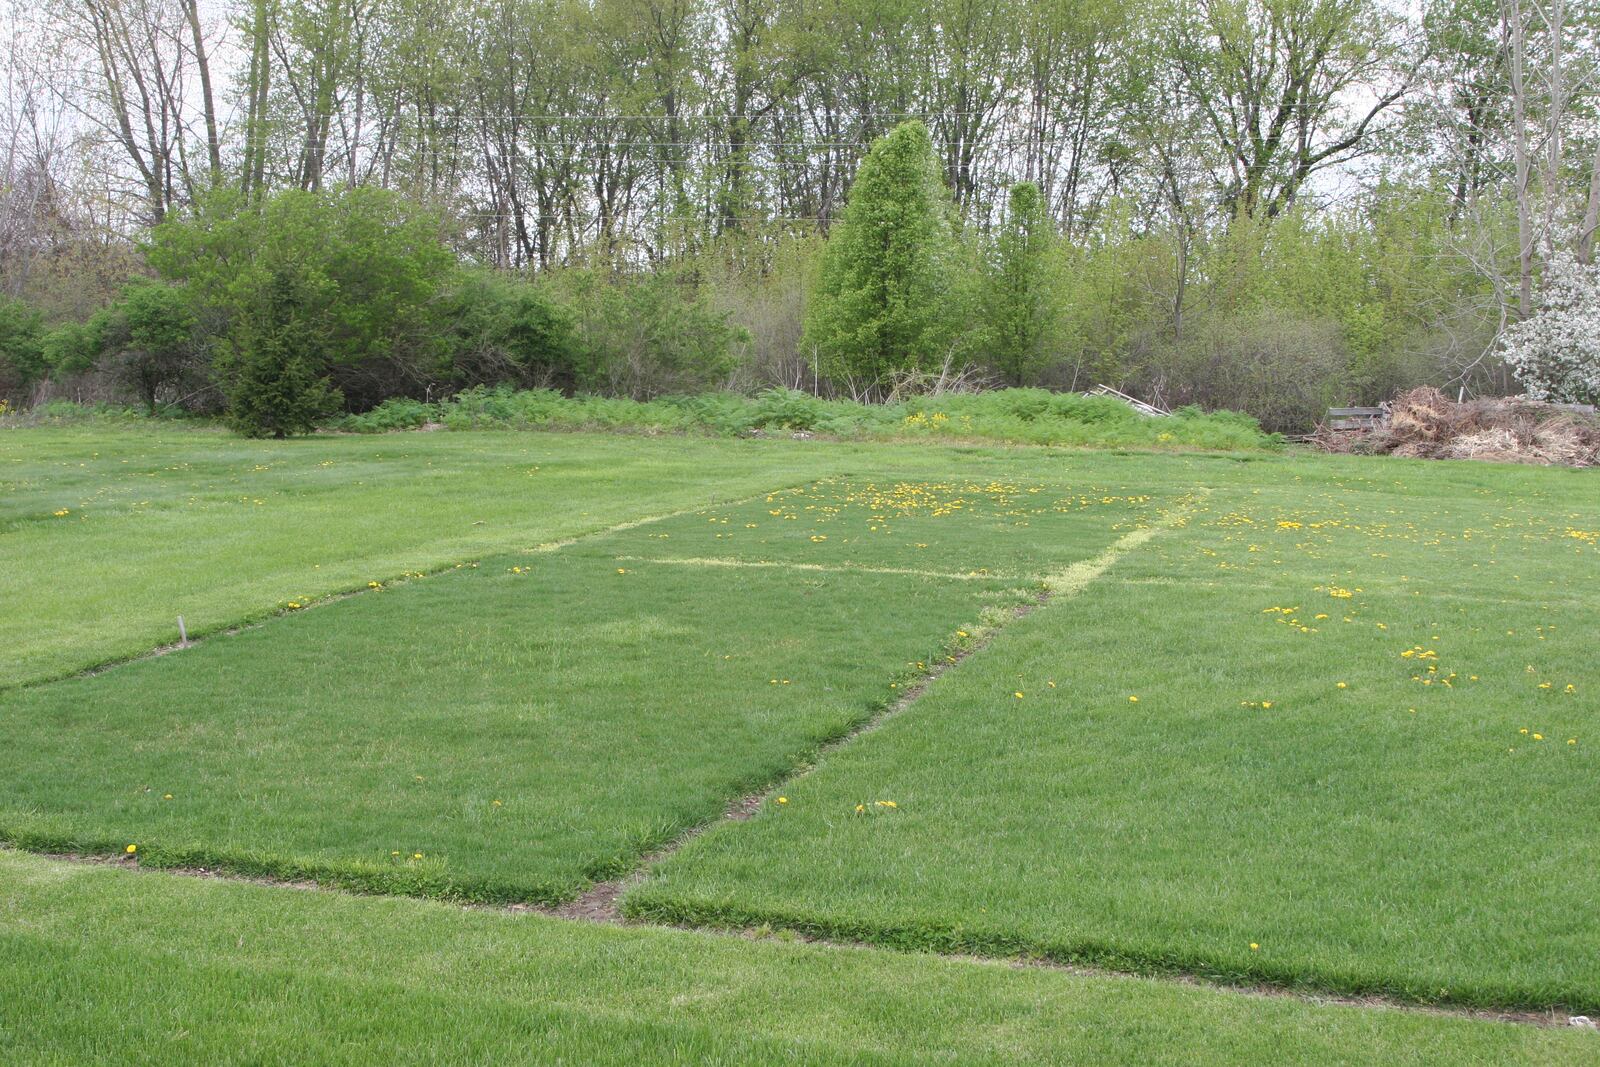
{"x": 1555, "y": 353}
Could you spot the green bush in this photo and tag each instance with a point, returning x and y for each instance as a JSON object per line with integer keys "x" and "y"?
{"x": 1023, "y": 416}
{"x": 885, "y": 301}
{"x": 645, "y": 336}
{"x": 368, "y": 270}
{"x": 273, "y": 376}
{"x": 150, "y": 340}
{"x": 500, "y": 330}
{"x": 21, "y": 353}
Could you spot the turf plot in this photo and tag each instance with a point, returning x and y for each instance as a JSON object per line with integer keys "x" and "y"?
{"x": 1288, "y": 742}
{"x": 506, "y": 731}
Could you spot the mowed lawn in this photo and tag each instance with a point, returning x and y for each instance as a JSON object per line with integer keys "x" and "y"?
{"x": 1337, "y": 732}
{"x": 1331, "y": 726}
{"x": 113, "y": 966}
{"x": 514, "y": 728}
{"x": 111, "y": 534}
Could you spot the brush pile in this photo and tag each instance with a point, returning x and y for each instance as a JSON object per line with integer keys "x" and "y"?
{"x": 1426, "y": 424}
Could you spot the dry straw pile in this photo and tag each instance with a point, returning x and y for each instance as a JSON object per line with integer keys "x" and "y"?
{"x": 1426, "y": 424}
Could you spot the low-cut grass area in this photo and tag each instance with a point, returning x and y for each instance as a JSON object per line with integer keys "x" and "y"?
{"x": 115, "y": 966}
{"x": 1290, "y": 721}
{"x": 117, "y": 530}
{"x": 1336, "y": 732}
{"x": 112, "y": 532}
{"x": 1023, "y": 527}
{"x": 506, "y": 731}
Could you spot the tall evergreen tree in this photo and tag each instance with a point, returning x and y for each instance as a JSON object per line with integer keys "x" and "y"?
{"x": 883, "y": 303}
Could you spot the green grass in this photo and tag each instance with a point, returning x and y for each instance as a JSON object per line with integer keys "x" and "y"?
{"x": 114, "y": 966}
{"x": 616, "y": 689}
{"x": 1363, "y": 845}
{"x": 524, "y": 725}
{"x": 163, "y": 521}
{"x": 1022, "y": 528}
{"x": 166, "y": 521}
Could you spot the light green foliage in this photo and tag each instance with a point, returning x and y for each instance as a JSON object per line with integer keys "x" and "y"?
{"x": 74, "y": 347}
{"x": 644, "y": 336}
{"x": 361, "y": 270}
{"x": 883, "y": 302}
{"x": 150, "y": 339}
{"x": 1016, "y": 416}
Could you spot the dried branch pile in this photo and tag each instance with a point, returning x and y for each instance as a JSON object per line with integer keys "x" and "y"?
{"x": 1426, "y": 424}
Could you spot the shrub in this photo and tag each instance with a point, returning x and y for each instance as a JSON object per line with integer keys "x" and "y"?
{"x": 642, "y": 337}
{"x": 1283, "y": 369}
{"x": 787, "y": 409}
{"x": 150, "y": 341}
{"x": 396, "y": 413}
{"x": 368, "y": 270}
{"x": 499, "y": 330}
{"x": 1555, "y": 353}
{"x": 1051, "y": 418}
{"x": 273, "y": 376}
{"x": 22, "y": 359}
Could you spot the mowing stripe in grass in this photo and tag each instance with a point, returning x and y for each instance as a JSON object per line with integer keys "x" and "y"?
{"x": 1072, "y": 580}
{"x": 825, "y": 568}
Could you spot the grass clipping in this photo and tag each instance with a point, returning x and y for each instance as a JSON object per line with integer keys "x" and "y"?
{"x": 1425, "y": 424}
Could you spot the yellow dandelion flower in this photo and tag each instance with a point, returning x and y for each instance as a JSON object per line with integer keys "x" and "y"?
{"x": 131, "y": 849}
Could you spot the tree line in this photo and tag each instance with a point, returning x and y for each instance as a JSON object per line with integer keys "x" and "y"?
{"x": 1265, "y": 203}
